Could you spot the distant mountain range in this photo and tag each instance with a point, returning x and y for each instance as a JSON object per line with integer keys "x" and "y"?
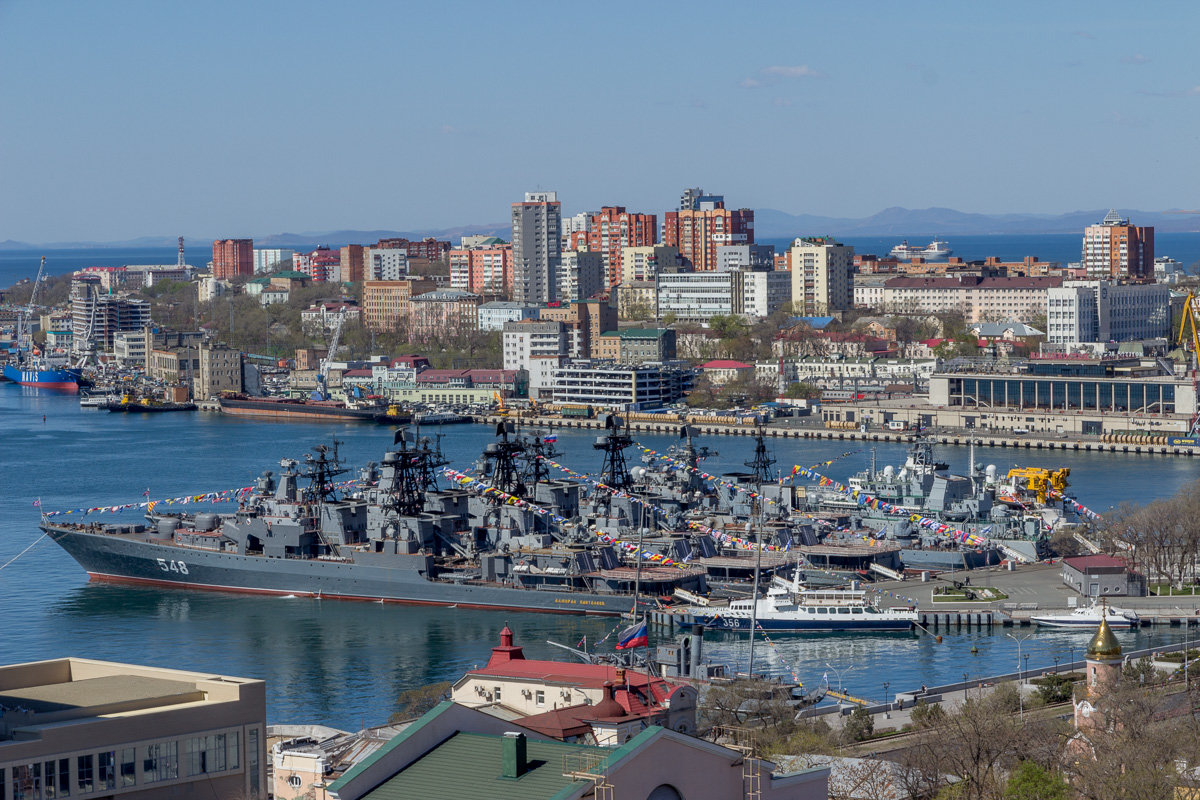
{"x": 769, "y": 223}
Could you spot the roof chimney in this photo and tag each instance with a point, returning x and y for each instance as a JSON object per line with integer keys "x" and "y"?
{"x": 513, "y": 763}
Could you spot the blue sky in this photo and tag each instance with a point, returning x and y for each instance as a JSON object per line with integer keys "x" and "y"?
{"x": 122, "y": 119}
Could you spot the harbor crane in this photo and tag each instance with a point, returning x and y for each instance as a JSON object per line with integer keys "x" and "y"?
{"x": 322, "y": 390}
{"x": 1189, "y": 318}
{"x": 24, "y": 321}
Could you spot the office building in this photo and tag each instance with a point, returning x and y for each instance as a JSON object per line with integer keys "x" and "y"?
{"x": 1103, "y": 311}
{"x": 745, "y": 256}
{"x": 585, "y": 321}
{"x": 537, "y": 247}
{"x": 612, "y": 229}
{"x": 233, "y": 258}
{"x": 977, "y": 299}
{"x": 493, "y": 315}
{"x": 386, "y": 303}
{"x": 580, "y": 275}
{"x": 698, "y": 232}
{"x": 637, "y": 345}
{"x": 79, "y": 727}
{"x": 220, "y": 370}
{"x": 268, "y": 259}
{"x": 700, "y": 296}
{"x": 621, "y": 387}
{"x": 822, "y": 275}
{"x": 443, "y": 313}
{"x": 1116, "y": 250}
{"x": 539, "y": 348}
{"x": 637, "y": 300}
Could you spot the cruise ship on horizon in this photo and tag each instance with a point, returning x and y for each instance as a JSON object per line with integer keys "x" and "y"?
{"x": 937, "y": 249}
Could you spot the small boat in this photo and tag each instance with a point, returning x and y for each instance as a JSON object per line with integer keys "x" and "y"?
{"x": 1088, "y": 618}
{"x": 87, "y": 400}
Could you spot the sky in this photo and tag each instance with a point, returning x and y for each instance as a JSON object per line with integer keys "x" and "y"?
{"x": 231, "y": 118}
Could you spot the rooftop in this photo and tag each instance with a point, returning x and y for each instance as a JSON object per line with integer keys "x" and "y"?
{"x": 724, "y": 363}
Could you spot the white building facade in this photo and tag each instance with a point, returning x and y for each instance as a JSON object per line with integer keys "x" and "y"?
{"x": 822, "y": 275}
{"x": 492, "y": 316}
{"x": 1102, "y": 311}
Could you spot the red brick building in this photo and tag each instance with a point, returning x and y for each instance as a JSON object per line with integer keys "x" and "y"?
{"x": 233, "y": 258}
{"x": 428, "y": 248}
{"x": 487, "y": 269}
{"x": 699, "y": 232}
{"x": 1116, "y": 250}
{"x": 613, "y": 229}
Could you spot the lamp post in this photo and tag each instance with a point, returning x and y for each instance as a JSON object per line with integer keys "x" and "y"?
{"x": 754, "y": 597}
{"x": 1072, "y": 649}
{"x": 838, "y": 674}
{"x": 886, "y": 684}
{"x": 1056, "y": 658}
{"x": 1020, "y": 675}
{"x": 1026, "y": 665}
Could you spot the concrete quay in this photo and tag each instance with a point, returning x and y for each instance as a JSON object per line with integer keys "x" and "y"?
{"x": 986, "y": 439}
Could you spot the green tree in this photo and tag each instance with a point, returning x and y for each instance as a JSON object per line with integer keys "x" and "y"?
{"x": 928, "y": 715}
{"x": 415, "y": 702}
{"x": 1031, "y": 782}
{"x": 858, "y": 726}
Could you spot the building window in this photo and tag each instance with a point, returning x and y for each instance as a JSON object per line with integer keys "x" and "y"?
{"x": 128, "y": 766}
{"x": 106, "y": 763}
{"x": 294, "y": 781}
{"x": 83, "y": 776}
{"x": 252, "y": 762}
{"x": 539, "y": 697}
{"x": 496, "y": 694}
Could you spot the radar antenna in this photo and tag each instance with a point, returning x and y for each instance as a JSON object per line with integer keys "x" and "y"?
{"x": 615, "y": 471}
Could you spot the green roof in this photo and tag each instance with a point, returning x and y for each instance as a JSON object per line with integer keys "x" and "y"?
{"x": 644, "y": 333}
{"x": 264, "y": 280}
{"x": 468, "y": 765}
{"x": 291, "y": 273}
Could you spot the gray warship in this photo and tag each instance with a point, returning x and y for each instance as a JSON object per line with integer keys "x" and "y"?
{"x": 393, "y": 535}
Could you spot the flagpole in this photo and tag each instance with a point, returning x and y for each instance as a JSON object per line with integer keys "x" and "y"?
{"x": 754, "y": 603}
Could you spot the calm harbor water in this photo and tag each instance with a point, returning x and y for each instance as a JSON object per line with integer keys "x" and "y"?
{"x": 344, "y": 663}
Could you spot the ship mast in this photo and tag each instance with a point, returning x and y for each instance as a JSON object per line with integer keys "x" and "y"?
{"x": 410, "y": 475}
{"x": 762, "y": 463}
{"x": 503, "y": 455}
{"x": 614, "y": 469}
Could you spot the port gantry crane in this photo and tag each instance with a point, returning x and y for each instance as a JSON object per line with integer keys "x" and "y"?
{"x": 322, "y": 390}
{"x": 1191, "y": 318}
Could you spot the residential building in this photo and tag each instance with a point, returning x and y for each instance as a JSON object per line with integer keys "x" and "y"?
{"x": 427, "y": 249}
{"x": 580, "y": 275}
{"x": 493, "y": 315}
{"x": 637, "y": 345}
{"x": 233, "y": 258}
{"x": 697, "y": 232}
{"x": 173, "y": 365}
{"x": 484, "y": 268}
{"x": 1168, "y": 270}
{"x": 96, "y": 316}
{"x": 575, "y": 229}
{"x": 611, "y": 229}
{"x": 219, "y": 370}
{"x": 442, "y": 313}
{"x": 722, "y": 371}
{"x": 477, "y": 240}
{"x": 762, "y": 292}
{"x": 746, "y": 256}
{"x": 1116, "y": 250}
{"x": 352, "y": 264}
{"x": 454, "y": 752}
{"x": 585, "y": 320}
{"x": 208, "y": 288}
{"x": 690, "y": 199}
{"x": 385, "y": 263}
{"x": 129, "y": 348}
{"x": 637, "y": 300}
{"x": 539, "y": 348}
{"x": 537, "y": 247}
{"x": 868, "y": 290}
{"x": 978, "y": 299}
{"x": 267, "y": 259}
{"x": 822, "y": 275}
{"x": 271, "y": 295}
{"x": 323, "y": 265}
{"x": 76, "y": 726}
{"x": 154, "y": 274}
{"x": 1104, "y": 311}
{"x": 386, "y": 303}
{"x": 621, "y": 387}
{"x": 644, "y": 263}
{"x": 323, "y": 317}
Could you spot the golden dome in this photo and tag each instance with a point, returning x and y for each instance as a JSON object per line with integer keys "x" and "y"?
{"x": 1104, "y": 644}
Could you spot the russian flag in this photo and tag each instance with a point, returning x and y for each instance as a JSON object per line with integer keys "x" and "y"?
{"x": 551, "y": 438}
{"x": 634, "y": 636}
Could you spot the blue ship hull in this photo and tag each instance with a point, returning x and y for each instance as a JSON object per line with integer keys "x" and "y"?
{"x": 64, "y": 379}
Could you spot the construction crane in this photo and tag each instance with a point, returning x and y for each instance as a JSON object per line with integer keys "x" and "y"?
{"x": 322, "y": 390}
{"x": 1189, "y": 318}
{"x": 1038, "y": 481}
{"x": 24, "y": 322}
{"x": 500, "y": 409}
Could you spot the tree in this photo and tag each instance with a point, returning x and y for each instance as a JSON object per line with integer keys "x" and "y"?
{"x": 802, "y": 391}
{"x": 415, "y": 702}
{"x": 1031, "y": 782}
{"x": 859, "y": 725}
{"x": 928, "y": 715}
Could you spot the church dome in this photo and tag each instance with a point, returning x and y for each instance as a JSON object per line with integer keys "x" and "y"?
{"x": 1104, "y": 644}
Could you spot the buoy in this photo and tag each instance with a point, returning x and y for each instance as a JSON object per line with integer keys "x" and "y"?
{"x": 974, "y": 650}
{"x": 938, "y": 639}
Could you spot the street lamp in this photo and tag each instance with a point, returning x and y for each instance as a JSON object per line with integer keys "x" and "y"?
{"x": 1026, "y": 664}
{"x": 886, "y": 684}
{"x": 1056, "y": 658}
{"x": 838, "y": 673}
{"x": 1020, "y": 676}
{"x": 1072, "y": 649}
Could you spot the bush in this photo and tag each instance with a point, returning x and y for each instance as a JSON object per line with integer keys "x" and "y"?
{"x": 1054, "y": 689}
{"x": 925, "y": 715}
{"x": 859, "y": 726}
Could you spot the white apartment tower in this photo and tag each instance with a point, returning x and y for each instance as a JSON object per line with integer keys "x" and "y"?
{"x": 537, "y": 247}
{"x": 822, "y": 275}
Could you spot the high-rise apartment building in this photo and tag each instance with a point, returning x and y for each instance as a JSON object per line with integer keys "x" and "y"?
{"x": 822, "y": 275}
{"x": 700, "y": 230}
{"x": 385, "y": 263}
{"x": 580, "y": 275}
{"x": 484, "y": 266}
{"x": 233, "y": 258}
{"x": 351, "y": 264}
{"x": 612, "y": 229}
{"x": 387, "y": 304}
{"x": 537, "y": 247}
{"x": 1116, "y": 250}
{"x": 271, "y": 258}
{"x": 645, "y": 263}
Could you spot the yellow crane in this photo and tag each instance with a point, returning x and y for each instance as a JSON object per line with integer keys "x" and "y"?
{"x": 1186, "y": 320}
{"x": 500, "y": 409}
{"x": 1038, "y": 481}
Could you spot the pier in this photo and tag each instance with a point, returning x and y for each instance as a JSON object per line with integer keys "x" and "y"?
{"x": 1025, "y": 442}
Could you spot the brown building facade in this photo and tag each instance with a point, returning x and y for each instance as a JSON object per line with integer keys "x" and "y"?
{"x": 698, "y": 232}
{"x": 233, "y": 258}
{"x": 386, "y": 303}
{"x": 612, "y": 230}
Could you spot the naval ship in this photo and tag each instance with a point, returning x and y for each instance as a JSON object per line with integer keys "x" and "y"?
{"x": 393, "y": 535}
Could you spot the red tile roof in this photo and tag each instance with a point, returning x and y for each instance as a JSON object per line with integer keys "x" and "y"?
{"x": 1085, "y": 563}
{"x": 726, "y": 364}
